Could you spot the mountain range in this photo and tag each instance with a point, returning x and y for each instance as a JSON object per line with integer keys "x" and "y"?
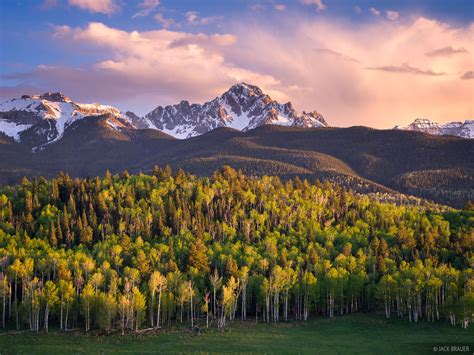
{"x": 49, "y": 133}
{"x": 39, "y": 120}
{"x": 461, "y": 129}
{"x": 242, "y": 107}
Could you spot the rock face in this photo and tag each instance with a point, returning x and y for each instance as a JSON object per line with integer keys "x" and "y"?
{"x": 42, "y": 119}
{"x": 242, "y": 107}
{"x": 461, "y": 129}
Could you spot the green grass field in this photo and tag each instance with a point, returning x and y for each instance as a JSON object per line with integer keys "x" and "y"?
{"x": 356, "y": 334}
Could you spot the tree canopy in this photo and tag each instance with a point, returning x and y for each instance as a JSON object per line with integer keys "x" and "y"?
{"x": 124, "y": 251}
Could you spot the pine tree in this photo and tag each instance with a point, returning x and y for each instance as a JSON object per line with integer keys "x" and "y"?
{"x": 197, "y": 256}
{"x": 53, "y": 240}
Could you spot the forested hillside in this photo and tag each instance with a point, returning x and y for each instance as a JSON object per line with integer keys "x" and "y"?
{"x": 438, "y": 168}
{"x": 128, "y": 252}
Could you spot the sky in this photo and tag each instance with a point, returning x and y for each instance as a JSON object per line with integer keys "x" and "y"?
{"x": 376, "y": 63}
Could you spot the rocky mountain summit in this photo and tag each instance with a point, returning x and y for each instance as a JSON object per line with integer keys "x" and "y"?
{"x": 42, "y": 119}
{"x": 461, "y": 129}
{"x": 39, "y": 120}
{"x": 242, "y": 107}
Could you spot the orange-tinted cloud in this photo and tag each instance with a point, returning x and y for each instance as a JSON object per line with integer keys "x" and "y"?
{"x": 468, "y": 75}
{"x": 406, "y": 69}
{"x": 446, "y": 52}
{"x": 345, "y": 91}
{"x": 317, "y": 64}
{"x": 96, "y": 6}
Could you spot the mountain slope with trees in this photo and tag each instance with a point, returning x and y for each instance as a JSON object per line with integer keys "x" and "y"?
{"x": 153, "y": 250}
{"x": 438, "y": 168}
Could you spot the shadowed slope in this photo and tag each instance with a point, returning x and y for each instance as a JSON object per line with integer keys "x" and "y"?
{"x": 435, "y": 167}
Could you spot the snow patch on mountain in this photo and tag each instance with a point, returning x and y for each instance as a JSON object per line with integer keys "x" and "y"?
{"x": 234, "y": 120}
{"x": 461, "y": 129}
{"x": 180, "y": 132}
{"x": 242, "y": 107}
{"x": 48, "y": 116}
{"x": 12, "y": 129}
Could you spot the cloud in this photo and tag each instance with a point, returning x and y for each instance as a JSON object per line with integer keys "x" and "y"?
{"x": 204, "y": 40}
{"x": 193, "y": 18}
{"x": 61, "y": 31}
{"x": 307, "y": 58}
{"x": 445, "y": 52}
{"x": 317, "y": 64}
{"x": 357, "y": 10}
{"x": 96, "y": 6}
{"x": 159, "y": 67}
{"x": 406, "y": 69}
{"x": 374, "y": 11}
{"x": 391, "y": 15}
{"x": 330, "y": 52}
{"x": 146, "y": 7}
{"x": 320, "y": 6}
{"x": 165, "y": 22}
{"x": 280, "y": 7}
{"x": 468, "y": 75}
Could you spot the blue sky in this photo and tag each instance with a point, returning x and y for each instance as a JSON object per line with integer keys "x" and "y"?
{"x": 347, "y": 59}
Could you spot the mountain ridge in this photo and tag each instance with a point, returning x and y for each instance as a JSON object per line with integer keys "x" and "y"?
{"x": 40, "y": 120}
{"x": 439, "y": 168}
{"x": 242, "y": 107}
{"x": 50, "y": 133}
{"x": 458, "y": 128}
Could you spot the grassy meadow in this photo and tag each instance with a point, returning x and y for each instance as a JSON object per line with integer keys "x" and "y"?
{"x": 355, "y": 334}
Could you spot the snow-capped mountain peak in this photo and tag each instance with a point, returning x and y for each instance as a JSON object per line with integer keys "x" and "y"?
{"x": 49, "y": 96}
{"x": 243, "y": 89}
{"x": 43, "y": 119}
{"x": 242, "y": 106}
{"x": 461, "y": 129}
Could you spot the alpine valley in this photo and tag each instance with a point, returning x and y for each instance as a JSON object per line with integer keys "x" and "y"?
{"x": 245, "y": 128}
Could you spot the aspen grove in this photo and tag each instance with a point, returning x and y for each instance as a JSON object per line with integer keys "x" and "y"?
{"x": 123, "y": 253}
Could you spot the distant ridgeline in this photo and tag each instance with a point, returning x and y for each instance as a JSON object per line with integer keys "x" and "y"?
{"x": 127, "y": 252}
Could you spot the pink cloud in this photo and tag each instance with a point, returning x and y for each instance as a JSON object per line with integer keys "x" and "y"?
{"x": 469, "y": 75}
{"x": 374, "y": 11}
{"x": 156, "y": 66}
{"x": 320, "y": 6}
{"x": 280, "y": 7}
{"x": 165, "y": 22}
{"x": 193, "y": 18}
{"x": 316, "y": 64}
{"x": 96, "y": 6}
{"x": 391, "y": 15}
{"x": 147, "y": 7}
{"x": 316, "y": 72}
{"x": 405, "y": 68}
{"x": 446, "y": 52}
